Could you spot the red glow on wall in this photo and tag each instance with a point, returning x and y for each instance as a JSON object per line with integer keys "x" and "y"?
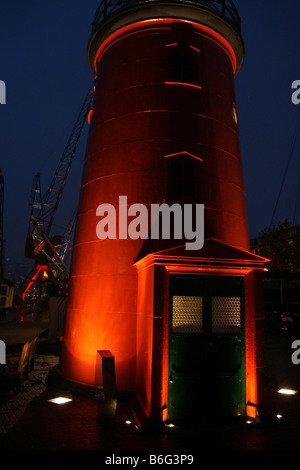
{"x": 184, "y": 84}
{"x": 216, "y": 258}
{"x": 184, "y": 153}
{"x": 211, "y": 34}
{"x": 194, "y": 48}
{"x": 118, "y": 299}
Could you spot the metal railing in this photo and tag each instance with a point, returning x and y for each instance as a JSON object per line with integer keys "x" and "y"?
{"x": 223, "y": 7}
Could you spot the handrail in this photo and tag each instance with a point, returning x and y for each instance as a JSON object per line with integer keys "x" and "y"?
{"x": 223, "y": 7}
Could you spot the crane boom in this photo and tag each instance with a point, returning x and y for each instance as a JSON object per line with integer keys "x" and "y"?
{"x": 49, "y": 253}
{"x": 52, "y": 197}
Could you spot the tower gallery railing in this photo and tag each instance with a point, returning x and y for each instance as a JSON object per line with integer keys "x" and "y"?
{"x": 223, "y": 7}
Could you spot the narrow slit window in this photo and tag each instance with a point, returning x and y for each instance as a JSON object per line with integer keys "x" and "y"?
{"x": 182, "y": 178}
{"x": 183, "y": 64}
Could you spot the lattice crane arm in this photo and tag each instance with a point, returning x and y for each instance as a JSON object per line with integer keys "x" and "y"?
{"x": 50, "y": 200}
{"x": 38, "y": 244}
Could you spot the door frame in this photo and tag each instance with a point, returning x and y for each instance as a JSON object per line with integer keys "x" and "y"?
{"x": 154, "y": 270}
{"x": 208, "y": 339}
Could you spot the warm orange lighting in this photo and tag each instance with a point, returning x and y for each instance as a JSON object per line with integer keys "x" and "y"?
{"x": 118, "y": 298}
{"x": 90, "y": 115}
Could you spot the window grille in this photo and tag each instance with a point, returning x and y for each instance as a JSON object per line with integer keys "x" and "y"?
{"x": 187, "y": 314}
{"x": 226, "y": 314}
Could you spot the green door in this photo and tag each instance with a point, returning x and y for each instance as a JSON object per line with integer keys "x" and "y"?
{"x": 206, "y": 347}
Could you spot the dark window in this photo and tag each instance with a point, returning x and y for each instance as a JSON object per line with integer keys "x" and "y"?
{"x": 182, "y": 178}
{"x": 182, "y": 64}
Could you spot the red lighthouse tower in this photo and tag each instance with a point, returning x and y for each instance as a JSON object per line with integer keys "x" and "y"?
{"x": 181, "y": 324}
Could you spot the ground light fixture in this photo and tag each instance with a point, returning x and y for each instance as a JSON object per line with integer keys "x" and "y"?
{"x": 287, "y": 391}
{"x": 60, "y": 400}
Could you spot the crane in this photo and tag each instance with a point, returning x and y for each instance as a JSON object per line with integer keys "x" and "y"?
{"x": 49, "y": 251}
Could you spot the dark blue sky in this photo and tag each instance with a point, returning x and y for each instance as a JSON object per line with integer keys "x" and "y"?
{"x": 44, "y": 66}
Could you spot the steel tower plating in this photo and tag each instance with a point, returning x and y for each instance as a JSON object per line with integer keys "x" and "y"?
{"x": 163, "y": 129}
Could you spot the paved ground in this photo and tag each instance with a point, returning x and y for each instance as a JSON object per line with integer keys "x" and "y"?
{"x": 28, "y": 421}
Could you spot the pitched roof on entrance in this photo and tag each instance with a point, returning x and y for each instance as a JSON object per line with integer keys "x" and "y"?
{"x": 213, "y": 251}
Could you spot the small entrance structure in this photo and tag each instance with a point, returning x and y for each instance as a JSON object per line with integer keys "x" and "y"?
{"x": 200, "y": 332}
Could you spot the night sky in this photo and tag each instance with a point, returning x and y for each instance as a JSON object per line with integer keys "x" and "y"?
{"x": 45, "y": 69}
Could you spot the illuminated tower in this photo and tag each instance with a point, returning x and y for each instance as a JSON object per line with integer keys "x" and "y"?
{"x": 163, "y": 129}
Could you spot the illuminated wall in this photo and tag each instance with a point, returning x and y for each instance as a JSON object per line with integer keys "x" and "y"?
{"x": 150, "y": 111}
{"x": 154, "y": 272}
